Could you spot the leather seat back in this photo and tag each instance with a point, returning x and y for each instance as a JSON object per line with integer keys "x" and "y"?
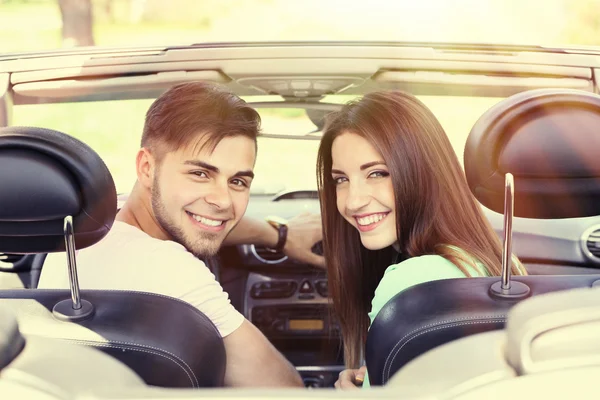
{"x": 166, "y": 341}
{"x": 438, "y": 312}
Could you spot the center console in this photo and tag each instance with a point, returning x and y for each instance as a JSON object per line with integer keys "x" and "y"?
{"x": 294, "y": 313}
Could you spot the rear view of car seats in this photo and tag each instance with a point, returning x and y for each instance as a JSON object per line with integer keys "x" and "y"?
{"x": 532, "y": 155}
{"x": 549, "y": 348}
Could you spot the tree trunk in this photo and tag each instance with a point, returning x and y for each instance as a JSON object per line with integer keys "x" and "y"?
{"x": 77, "y": 22}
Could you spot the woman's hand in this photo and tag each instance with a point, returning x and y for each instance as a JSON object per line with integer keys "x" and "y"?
{"x": 351, "y": 378}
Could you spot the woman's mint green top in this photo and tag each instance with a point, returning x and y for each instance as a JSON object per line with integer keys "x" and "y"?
{"x": 410, "y": 272}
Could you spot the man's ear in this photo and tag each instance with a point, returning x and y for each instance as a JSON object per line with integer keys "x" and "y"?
{"x": 145, "y": 167}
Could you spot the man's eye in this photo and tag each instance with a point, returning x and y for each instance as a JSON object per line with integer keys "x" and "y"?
{"x": 200, "y": 174}
{"x": 239, "y": 182}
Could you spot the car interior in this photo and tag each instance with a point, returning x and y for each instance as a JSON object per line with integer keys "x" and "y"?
{"x": 541, "y": 131}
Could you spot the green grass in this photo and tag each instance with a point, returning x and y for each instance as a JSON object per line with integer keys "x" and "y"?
{"x": 113, "y": 129}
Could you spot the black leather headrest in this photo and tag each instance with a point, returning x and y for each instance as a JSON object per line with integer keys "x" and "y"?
{"x": 549, "y": 139}
{"x": 45, "y": 176}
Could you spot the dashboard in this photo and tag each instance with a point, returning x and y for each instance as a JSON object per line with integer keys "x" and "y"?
{"x": 287, "y": 300}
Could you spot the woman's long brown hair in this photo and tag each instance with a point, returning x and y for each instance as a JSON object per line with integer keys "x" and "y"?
{"x": 435, "y": 210}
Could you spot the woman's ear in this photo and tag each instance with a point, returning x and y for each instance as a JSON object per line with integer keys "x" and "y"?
{"x": 145, "y": 167}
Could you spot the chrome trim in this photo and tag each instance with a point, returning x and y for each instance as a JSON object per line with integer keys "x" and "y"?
{"x": 509, "y": 202}
{"x": 253, "y": 251}
{"x": 325, "y": 368}
{"x": 583, "y": 243}
{"x": 71, "y": 262}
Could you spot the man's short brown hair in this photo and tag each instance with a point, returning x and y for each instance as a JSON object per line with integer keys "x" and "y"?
{"x": 197, "y": 111}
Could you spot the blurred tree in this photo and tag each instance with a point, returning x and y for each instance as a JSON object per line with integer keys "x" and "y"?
{"x": 77, "y": 21}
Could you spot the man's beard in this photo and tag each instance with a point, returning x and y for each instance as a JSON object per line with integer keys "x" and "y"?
{"x": 204, "y": 245}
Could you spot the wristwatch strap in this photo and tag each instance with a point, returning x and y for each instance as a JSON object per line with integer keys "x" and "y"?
{"x": 282, "y": 229}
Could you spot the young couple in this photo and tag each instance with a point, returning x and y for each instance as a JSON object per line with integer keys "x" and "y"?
{"x": 396, "y": 211}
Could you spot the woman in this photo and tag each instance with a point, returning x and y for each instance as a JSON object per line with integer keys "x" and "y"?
{"x": 396, "y": 211}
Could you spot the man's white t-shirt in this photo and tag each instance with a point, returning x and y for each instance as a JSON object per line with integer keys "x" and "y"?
{"x": 129, "y": 259}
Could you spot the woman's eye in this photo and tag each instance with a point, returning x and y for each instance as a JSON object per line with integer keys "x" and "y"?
{"x": 379, "y": 174}
{"x": 338, "y": 180}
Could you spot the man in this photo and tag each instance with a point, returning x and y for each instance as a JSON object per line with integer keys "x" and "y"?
{"x": 194, "y": 171}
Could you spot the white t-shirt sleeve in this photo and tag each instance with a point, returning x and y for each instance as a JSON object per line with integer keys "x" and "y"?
{"x": 196, "y": 285}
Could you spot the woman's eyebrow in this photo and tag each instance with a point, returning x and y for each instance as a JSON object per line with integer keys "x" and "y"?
{"x": 337, "y": 171}
{"x": 371, "y": 164}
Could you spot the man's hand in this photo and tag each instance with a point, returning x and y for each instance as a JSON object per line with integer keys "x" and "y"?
{"x": 351, "y": 378}
{"x": 304, "y": 231}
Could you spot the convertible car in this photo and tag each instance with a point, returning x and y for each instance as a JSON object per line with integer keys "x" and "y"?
{"x": 532, "y": 112}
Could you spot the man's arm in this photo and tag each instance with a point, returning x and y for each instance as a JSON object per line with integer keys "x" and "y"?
{"x": 252, "y": 231}
{"x": 253, "y": 362}
{"x": 304, "y": 231}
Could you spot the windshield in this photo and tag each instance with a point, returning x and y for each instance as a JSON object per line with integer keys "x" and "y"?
{"x": 114, "y": 128}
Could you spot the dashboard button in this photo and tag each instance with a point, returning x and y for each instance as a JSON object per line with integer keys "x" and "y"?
{"x": 306, "y": 287}
{"x": 279, "y": 326}
{"x": 322, "y": 288}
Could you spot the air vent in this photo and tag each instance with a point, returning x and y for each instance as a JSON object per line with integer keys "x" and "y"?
{"x": 267, "y": 255}
{"x": 590, "y": 243}
{"x": 318, "y": 248}
{"x": 10, "y": 258}
{"x": 10, "y": 262}
{"x": 593, "y": 243}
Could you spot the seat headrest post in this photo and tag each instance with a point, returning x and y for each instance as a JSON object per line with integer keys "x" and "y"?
{"x": 509, "y": 203}
{"x": 505, "y": 288}
{"x": 75, "y": 309}
{"x": 72, "y": 262}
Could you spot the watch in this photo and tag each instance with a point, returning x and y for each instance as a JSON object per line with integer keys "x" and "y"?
{"x": 282, "y": 229}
